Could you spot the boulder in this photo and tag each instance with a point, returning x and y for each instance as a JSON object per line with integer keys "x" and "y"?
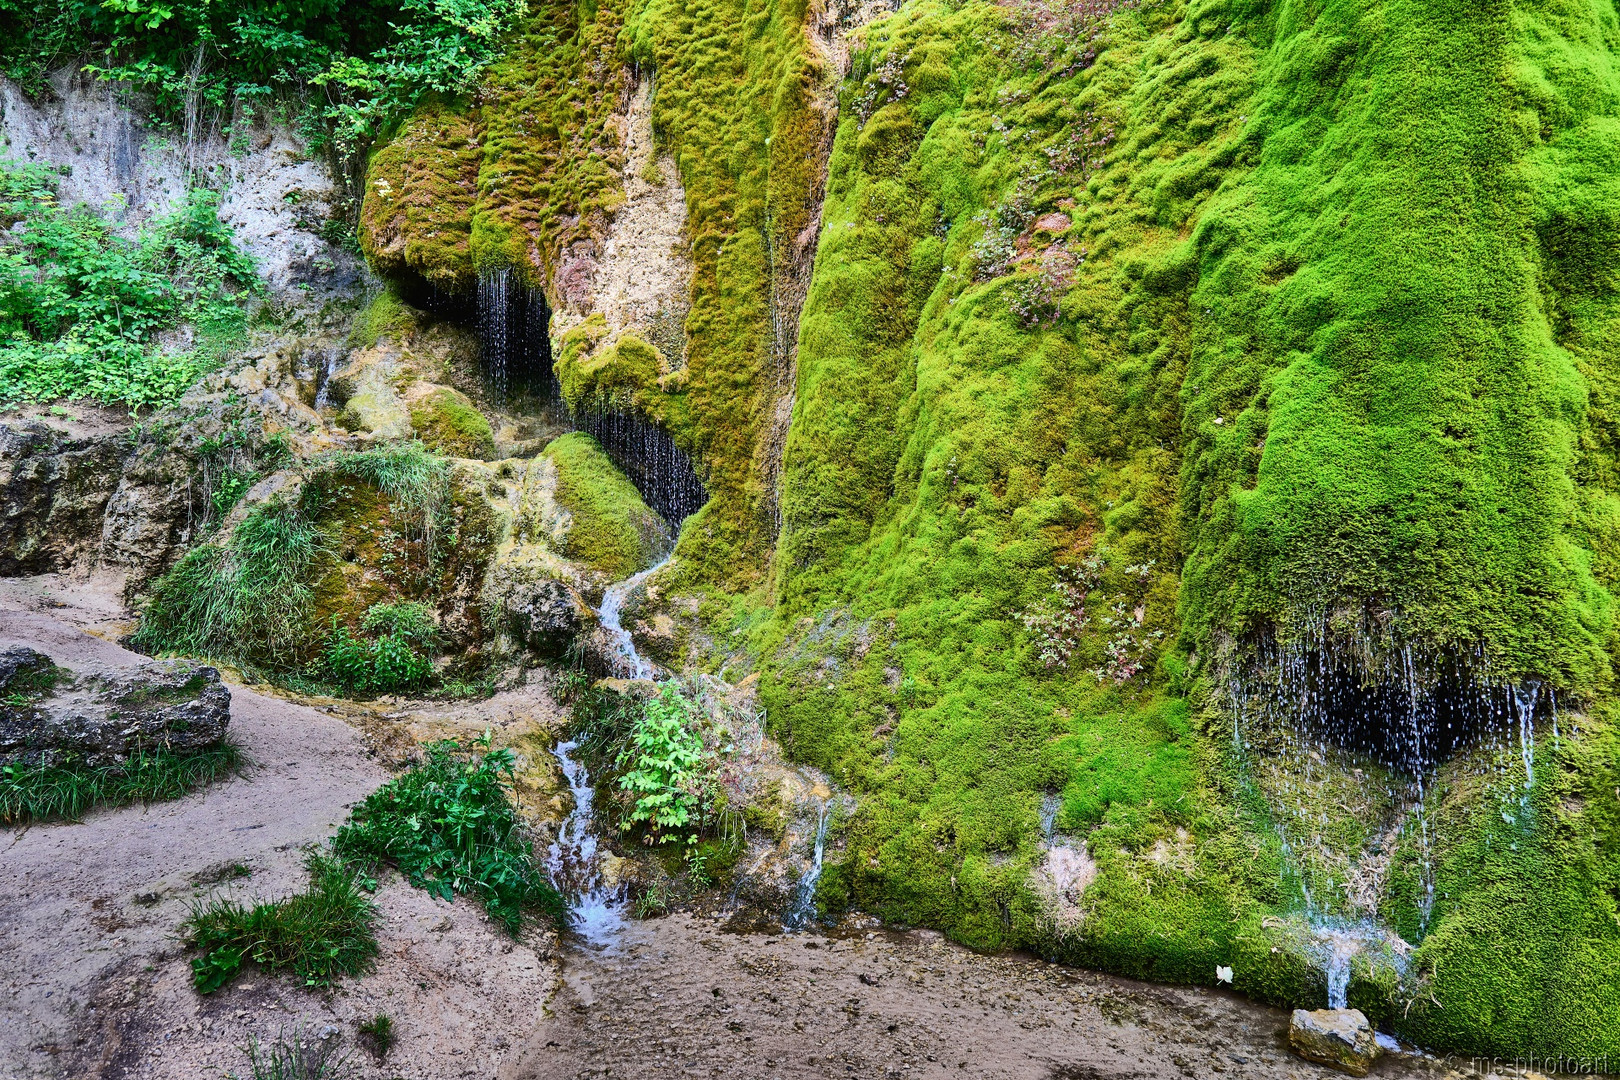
{"x": 546, "y": 616}
{"x": 1339, "y": 1038}
{"x": 100, "y": 716}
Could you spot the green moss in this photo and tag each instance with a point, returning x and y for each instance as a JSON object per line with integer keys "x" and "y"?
{"x": 593, "y": 375}
{"x": 612, "y": 530}
{"x": 448, "y": 423}
{"x": 385, "y": 316}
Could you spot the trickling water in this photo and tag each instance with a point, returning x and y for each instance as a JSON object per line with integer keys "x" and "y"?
{"x": 323, "y": 378}
{"x": 1524, "y": 697}
{"x": 659, "y": 469}
{"x": 629, "y": 664}
{"x": 595, "y": 911}
{"x": 513, "y": 324}
{"x": 1051, "y": 803}
{"x": 802, "y": 912}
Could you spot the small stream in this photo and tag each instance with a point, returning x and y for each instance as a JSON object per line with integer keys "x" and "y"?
{"x": 630, "y": 663}
{"x": 595, "y": 911}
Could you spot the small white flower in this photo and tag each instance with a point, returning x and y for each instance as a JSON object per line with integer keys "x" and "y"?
{"x": 1223, "y": 975}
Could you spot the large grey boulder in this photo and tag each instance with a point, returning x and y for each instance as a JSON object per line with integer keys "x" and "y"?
{"x": 100, "y": 716}
{"x": 546, "y": 616}
{"x": 1339, "y": 1038}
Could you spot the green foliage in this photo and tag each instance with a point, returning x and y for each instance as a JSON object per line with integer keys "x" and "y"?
{"x": 81, "y": 307}
{"x": 377, "y": 1035}
{"x": 448, "y": 824}
{"x": 664, "y": 767}
{"x": 246, "y": 599}
{"x": 397, "y": 657}
{"x": 409, "y": 474}
{"x": 612, "y": 529}
{"x": 68, "y": 791}
{"x": 361, "y": 65}
{"x": 318, "y": 935}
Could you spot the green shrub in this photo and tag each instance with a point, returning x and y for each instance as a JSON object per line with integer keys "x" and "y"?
{"x": 68, "y": 791}
{"x": 398, "y": 658}
{"x": 318, "y": 935}
{"x": 664, "y": 766}
{"x": 246, "y": 600}
{"x": 81, "y": 307}
{"x": 448, "y": 824}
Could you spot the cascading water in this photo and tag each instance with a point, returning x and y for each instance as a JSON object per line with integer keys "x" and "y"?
{"x": 802, "y": 912}
{"x": 629, "y": 664}
{"x": 514, "y": 323}
{"x": 659, "y": 469}
{"x": 1334, "y": 697}
{"x": 595, "y": 911}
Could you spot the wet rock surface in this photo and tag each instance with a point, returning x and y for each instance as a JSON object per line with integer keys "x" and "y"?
{"x": 100, "y": 715}
{"x": 54, "y": 487}
{"x": 1339, "y": 1038}
{"x": 682, "y": 997}
{"x": 546, "y": 616}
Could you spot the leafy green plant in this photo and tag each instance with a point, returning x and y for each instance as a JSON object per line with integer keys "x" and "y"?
{"x": 81, "y": 308}
{"x": 398, "y": 658}
{"x": 664, "y": 766}
{"x": 448, "y": 824}
{"x": 68, "y": 791}
{"x": 359, "y": 66}
{"x": 299, "y": 1057}
{"x": 318, "y": 934}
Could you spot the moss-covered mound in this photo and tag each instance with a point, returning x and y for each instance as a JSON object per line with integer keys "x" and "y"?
{"x": 1164, "y": 366}
{"x": 612, "y": 530}
{"x": 449, "y": 423}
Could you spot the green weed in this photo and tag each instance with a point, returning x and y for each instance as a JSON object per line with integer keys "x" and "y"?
{"x": 318, "y": 934}
{"x": 68, "y": 792}
{"x": 449, "y": 826}
{"x": 299, "y": 1056}
{"x": 397, "y": 657}
{"x": 377, "y": 1035}
{"x": 664, "y": 767}
{"x": 247, "y": 600}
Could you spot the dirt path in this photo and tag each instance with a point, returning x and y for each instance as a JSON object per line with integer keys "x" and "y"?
{"x": 97, "y": 982}
{"x": 682, "y": 997}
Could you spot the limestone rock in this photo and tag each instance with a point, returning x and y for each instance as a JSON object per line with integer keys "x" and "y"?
{"x": 1339, "y": 1038}
{"x": 545, "y": 615}
{"x": 102, "y": 715}
{"x": 54, "y": 488}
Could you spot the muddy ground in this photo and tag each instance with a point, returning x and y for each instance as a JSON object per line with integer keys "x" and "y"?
{"x": 99, "y": 983}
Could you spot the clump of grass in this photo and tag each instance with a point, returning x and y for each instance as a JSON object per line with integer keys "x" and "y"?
{"x": 45, "y": 792}
{"x": 377, "y": 1035}
{"x": 299, "y": 1058}
{"x": 246, "y": 600}
{"x": 448, "y": 824}
{"x": 415, "y": 480}
{"x": 318, "y": 934}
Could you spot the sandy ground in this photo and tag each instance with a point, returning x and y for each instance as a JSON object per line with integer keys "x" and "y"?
{"x": 98, "y": 984}
{"x": 684, "y": 997}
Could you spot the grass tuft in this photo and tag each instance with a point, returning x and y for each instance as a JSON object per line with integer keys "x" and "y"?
{"x": 318, "y": 935}
{"x": 68, "y": 792}
{"x": 300, "y": 1057}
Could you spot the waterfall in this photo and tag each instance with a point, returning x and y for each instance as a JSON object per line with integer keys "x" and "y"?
{"x": 513, "y": 323}
{"x": 646, "y": 453}
{"x": 630, "y": 664}
{"x": 802, "y": 912}
{"x": 595, "y": 910}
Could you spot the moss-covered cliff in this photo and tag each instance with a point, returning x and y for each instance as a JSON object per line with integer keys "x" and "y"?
{"x": 1163, "y": 366}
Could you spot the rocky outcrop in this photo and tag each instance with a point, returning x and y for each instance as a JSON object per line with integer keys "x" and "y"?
{"x": 100, "y": 716}
{"x": 1339, "y": 1038}
{"x": 54, "y": 489}
{"x": 546, "y": 616}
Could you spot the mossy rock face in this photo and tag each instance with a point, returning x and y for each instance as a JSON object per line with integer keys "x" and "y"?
{"x": 421, "y": 188}
{"x": 448, "y": 423}
{"x": 612, "y": 530}
{"x": 606, "y": 375}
